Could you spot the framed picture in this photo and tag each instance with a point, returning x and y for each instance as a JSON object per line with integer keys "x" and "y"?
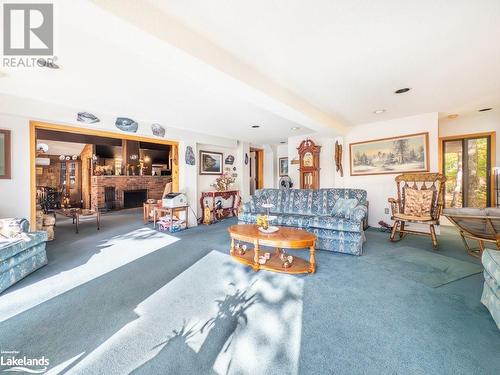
{"x": 211, "y": 162}
{"x": 408, "y": 153}
{"x": 283, "y": 166}
{"x": 4, "y": 154}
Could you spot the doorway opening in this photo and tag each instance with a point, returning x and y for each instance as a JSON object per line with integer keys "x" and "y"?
{"x": 467, "y": 162}
{"x": 87, "y": 169}
{"x": 256, "y": 169}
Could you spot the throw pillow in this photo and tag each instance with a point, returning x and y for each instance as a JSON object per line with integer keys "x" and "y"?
{"x": 343, "y": 207}
{"x": 418, "y": 202}
{"x": 12, "y": 227}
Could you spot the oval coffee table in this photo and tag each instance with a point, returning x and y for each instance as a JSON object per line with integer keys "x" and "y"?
{"x": 284, "y": 238}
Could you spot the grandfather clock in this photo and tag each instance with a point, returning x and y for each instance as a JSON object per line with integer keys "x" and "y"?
{"x": 309, "y": 164}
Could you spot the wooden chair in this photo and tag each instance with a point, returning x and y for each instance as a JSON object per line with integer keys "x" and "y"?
{"x": 418, "y": 181}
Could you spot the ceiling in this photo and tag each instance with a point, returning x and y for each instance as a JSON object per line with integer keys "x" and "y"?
{"x": 347, "y": 57}
{"x": 62, "y": 148}
{"x": 218, "y": 67}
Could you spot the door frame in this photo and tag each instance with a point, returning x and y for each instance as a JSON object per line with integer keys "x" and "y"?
{"x": 259, "y": 154}
{"x": 492, "y": 160}
{"x": 34, "y": 125}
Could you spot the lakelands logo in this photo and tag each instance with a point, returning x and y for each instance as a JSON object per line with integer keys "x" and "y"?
{"x": 28, "y": 30}
{"x": 10, "y": 361}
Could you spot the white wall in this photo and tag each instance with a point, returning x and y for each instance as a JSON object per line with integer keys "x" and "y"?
{"x": 477, "y": 122}
{"x": 15, "y": 192}
{"x": 382, "y": 187}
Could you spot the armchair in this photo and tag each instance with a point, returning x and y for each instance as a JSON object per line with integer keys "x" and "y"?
{"x": 422, "y": 205}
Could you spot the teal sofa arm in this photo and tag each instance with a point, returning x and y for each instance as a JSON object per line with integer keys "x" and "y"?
{"x": 359, "y": 213}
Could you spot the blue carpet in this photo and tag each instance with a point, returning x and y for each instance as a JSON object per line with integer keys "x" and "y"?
{"x": 428, "y": 268}
{"x": 177, "y": 306}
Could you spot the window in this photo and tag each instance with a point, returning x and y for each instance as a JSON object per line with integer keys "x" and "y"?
{"x": 467, "y": 167}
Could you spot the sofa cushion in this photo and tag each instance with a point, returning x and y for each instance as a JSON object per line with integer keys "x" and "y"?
{"x": 335, "y": 223}
{"x": 343, "y": 208}
{"x": 299, "y": 201}
{"x": 491, "y": 263}
{"x": 289, "y": 220}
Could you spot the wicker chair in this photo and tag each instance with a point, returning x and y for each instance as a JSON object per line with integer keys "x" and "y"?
{"x": 418, "y": 181}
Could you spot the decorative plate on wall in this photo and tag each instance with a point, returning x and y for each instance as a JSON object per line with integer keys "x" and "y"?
{"x": 126, "y": 124}
{"x": 190, "y": 159}
{"x": 229, "y": 160}
{"x": 246, "y": 158}
{"x": 158, "y": 130}
{"x": 87, "y": 118}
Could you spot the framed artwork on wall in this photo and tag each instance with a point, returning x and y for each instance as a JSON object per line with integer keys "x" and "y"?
{"x": 408, "y": 153}
{"x": 211, "y": 162}
{"x": 283, "y": 166}
{"x": 5, "y": 154}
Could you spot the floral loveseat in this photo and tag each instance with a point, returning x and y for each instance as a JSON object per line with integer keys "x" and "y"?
{"x": 21, "y": 252}
{"x": 312, "y": 210}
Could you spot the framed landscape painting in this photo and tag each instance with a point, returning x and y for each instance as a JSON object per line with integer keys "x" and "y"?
{"x": 210, "y": 162}
{"x": 408, "y": 153}
{"x": 283, "y": 167}
{"x": 4, "y": 154}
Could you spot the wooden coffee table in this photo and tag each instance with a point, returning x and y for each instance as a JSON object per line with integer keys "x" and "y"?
{"x": 284, "y": 238}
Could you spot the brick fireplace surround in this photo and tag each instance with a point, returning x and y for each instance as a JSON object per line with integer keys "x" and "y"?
{"x": 153, "y": 184}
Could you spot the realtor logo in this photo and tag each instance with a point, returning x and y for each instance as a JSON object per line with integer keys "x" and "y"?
{"x": 28, "y": 29}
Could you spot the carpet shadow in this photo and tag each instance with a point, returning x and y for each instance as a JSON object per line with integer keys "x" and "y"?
{"x": 177, "y": 357}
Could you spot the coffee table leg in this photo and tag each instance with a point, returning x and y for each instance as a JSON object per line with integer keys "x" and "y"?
{"x": 232, "y": 246}
{"x": 312, "y": 259}
{"x": 77, "y": 221}
{"x": 256, "y": 256}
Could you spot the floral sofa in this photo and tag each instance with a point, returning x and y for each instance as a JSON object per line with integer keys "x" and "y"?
{"x": 491, "y": 288}
{"x": 312, "y": 210}
{"x": 21, "y": 252}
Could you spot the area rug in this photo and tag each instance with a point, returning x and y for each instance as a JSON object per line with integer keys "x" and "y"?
{"x": 425, "y": 267}
{"x": 217, "y": 317}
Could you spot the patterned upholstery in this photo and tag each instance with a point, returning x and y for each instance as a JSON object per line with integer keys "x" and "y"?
{"x": 20, "y": 258}
{"x": 312, "y": 210}
{"x": 491, "y": 288}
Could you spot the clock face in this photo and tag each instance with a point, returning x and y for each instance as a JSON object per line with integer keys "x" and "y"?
{"x": 307, "y": 160}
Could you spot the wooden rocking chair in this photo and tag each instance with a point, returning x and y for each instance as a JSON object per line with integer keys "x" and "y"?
{"x": 419, "y": 181}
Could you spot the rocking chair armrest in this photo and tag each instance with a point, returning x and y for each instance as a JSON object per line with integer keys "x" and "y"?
{"x": 395, "y": 203}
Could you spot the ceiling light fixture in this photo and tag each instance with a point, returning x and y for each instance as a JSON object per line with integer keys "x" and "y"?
{"x": 379, "y": 111}
{"x": 255, "y": 126}
{"x": 295, "y": 128}
{"x": 484, "y": 109}
{"x": 402, "y": 91}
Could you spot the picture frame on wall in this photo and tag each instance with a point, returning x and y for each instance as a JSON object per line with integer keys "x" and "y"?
{"x": 283, "y": 166}
{"x": 407, "y": 153}
{"x": 5, "y": 153}
{"x": 211, "y": 163}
